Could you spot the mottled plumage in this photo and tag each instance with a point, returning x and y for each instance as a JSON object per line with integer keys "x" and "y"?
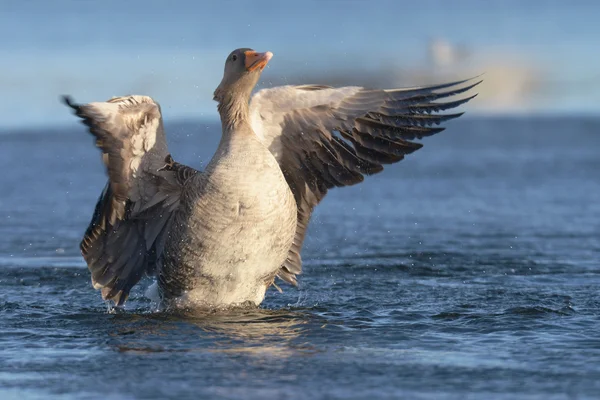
{"x": 324, "y": 137}
{"x": 219, "y": 237}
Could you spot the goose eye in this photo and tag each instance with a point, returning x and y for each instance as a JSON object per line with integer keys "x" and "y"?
{"x": 233, "y": 57}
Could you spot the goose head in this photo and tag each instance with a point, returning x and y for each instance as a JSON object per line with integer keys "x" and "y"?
{"x": 243, "y": 68}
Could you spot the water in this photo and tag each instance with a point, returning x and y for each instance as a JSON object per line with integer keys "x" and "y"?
{"x": 469, "y": 270}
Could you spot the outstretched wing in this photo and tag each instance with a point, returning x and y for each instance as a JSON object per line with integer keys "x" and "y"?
{"x": 325, "y": 137}
{"x": 126, "y": 236}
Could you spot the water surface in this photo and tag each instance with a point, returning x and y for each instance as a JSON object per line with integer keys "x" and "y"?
{"x": 468, "y": 270}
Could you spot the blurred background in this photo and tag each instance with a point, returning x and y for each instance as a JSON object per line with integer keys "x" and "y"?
{"x": 469, "y": 270}
{"x": 537, "y": 56}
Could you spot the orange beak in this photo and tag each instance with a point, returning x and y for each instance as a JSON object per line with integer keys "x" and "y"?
{"x": 256, "y": 60}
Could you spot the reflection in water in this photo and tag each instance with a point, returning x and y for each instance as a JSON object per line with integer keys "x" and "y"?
{"x": 474, "y": 274}
{"x": 250, "y": 331}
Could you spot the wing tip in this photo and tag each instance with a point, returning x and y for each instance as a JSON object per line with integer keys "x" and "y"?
{"x": 464, "y": 88}
{"x": 68, "y": 100}
{"x": 469, "y": 98}
{"x": 473, "y": 96}
{"x": 476, "y": 83}
{"x": 436, "y": 87}
{"x": 469, "y": 80}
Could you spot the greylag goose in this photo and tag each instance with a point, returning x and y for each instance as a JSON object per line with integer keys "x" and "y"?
{"x": 220, "y": 237}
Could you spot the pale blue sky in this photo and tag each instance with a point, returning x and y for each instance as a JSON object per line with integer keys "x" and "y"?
{"x": 174, "y": 50}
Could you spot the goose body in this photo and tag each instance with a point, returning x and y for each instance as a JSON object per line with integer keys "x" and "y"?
{"x": 220, "y": 237}
{"x": 236, "y": 229}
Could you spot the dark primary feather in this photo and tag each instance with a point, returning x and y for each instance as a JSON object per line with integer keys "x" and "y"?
{"x": 126, "y": 235}
{"x": 324, "y": 137}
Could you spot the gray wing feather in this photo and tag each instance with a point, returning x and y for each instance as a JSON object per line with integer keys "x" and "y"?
{"x": 131, "y": 221}
{"x": 325, "y": 137}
